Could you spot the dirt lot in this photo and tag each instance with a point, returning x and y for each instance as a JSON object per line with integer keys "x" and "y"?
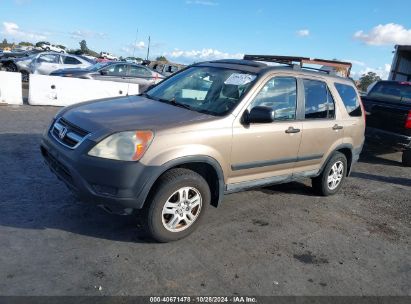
{"x": 280, "y": 240}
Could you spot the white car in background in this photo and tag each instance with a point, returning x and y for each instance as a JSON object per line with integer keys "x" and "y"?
{"x": 46, "y": 63}
{"x": 107, "y": 55}
{"x": 52, "y": 47}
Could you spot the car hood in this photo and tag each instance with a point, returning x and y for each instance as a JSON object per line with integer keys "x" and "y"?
{"x": 128, "y": 114}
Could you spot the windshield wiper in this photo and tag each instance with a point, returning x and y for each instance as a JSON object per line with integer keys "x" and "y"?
{"x": 175, "y": 103}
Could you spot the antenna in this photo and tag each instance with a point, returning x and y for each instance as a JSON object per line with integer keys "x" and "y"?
{"x": 148, "y": 48}
{"x": 134, "y": 51}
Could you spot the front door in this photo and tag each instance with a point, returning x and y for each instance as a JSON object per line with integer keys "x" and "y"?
{"x": 267, "y": 152}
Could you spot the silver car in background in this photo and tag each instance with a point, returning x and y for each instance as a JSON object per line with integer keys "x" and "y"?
{"x": 46, "y": 63}
{"x": 116, "y": 71}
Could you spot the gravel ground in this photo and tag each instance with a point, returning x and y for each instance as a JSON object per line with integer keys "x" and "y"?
{"x": 280, "y": 240}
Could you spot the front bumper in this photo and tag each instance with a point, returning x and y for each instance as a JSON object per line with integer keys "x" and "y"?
{"x": 117, "y": 184}
{"x": 388, "y": 139}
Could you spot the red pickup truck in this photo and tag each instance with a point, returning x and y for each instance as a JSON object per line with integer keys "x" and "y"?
{"x": 388, "y": 109}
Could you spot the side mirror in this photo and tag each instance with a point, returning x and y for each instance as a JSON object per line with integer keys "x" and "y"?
{"x": 103, "y": 72}
{"x": 260, "y": 115}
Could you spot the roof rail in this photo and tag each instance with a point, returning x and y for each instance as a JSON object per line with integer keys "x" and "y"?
{"x": 338, "y": 66}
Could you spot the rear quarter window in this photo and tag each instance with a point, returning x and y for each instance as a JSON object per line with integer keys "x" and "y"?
{"x": 350, "y": 99}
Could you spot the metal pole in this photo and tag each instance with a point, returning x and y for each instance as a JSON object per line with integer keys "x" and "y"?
{"x": 148, "y": 48}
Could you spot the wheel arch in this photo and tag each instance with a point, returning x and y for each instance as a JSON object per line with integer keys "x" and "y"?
{"x": 206, "y": 166}
{"x": 347, "y": 150}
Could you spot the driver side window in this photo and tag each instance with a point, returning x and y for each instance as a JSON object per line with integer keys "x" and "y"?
{"x": 279, "y": 94}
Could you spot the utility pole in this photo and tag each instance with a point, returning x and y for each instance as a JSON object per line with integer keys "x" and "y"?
{"x": 148, "y": 48}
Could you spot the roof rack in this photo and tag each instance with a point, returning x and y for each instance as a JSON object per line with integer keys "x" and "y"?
{"x": 339, "y": 66}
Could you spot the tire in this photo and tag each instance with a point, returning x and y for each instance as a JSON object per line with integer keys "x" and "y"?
{"x": 11, "y": 67}
{"x": 321, "y": 184}
{"x": 47, "y": 49}
{"x": 406, "y": 158}
{"x": 165, "y": 224}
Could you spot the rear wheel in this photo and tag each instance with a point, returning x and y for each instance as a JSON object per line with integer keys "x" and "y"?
{"x": 332, "y": 177}
{"x": 178, "y": 203}
{"x": 406, "y": 158}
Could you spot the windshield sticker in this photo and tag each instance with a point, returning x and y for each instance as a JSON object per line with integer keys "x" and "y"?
{"x": 239, "y": 79}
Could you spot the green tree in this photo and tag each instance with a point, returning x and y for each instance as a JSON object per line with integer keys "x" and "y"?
{"x": 24, "y": 43}
{"x": 367, "y": 79}
{"x": 161, "y": 58}
{"x": 83, "y": 46}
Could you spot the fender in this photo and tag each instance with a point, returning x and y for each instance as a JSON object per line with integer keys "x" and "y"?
{"x": 342, "y": 146}
{"x": 152, "y": 173}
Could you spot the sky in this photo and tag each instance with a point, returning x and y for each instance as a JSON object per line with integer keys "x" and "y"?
{"x": 185, "y": 31}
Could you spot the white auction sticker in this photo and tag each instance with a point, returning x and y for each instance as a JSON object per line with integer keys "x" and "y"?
{"x": 239, "y": 79}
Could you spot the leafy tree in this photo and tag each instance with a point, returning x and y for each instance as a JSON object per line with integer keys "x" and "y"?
{"x": 367, "y": 79}
{"x": 161, "y": 58}
{"x": 83, "y": 46}
{"x": 4, "y": 44}
{"x": 23, "y": 43}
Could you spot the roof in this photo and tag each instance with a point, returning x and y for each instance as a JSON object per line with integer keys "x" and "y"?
{"x": 257, "y": 67}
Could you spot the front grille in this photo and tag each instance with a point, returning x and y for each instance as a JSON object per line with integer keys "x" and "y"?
{"x": 68, "y": 134}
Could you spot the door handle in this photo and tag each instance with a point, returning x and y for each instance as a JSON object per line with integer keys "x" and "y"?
{"x": 292, "y": 130}
{"x": 337, "y": 127}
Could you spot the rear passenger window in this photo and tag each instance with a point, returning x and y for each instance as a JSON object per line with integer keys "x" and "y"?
{"x": 280, "y": 94}
{"x": 70, "y": 60}
{"x": 350, "y": 99}
{"x": 319, "y": 104}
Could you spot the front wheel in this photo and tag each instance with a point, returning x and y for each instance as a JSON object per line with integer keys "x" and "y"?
{"x": 332, "y": 177}
{"x": 178, "y": 203}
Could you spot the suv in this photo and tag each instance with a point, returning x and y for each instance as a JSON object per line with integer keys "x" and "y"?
{"x": 107, "y": 55}
{"x": 214, "y": 128}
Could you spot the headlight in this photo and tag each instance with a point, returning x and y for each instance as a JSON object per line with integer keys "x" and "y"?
{"x": 128, "y": 146}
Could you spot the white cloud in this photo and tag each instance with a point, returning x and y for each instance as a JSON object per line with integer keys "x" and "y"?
{"x": 385, "y": 34}
{"x": 202, "y": 2}
{"x": 129, "y": 49}
{"x": 303, "y": 33}
{"x": 383, "y": 72}
{"x": 83, "y": 34}
{"x": 201, "y": 55}
{"x": 11, "y": 29}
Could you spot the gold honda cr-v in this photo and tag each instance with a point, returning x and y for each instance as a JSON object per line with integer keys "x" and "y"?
{"x": 213, "y": 128}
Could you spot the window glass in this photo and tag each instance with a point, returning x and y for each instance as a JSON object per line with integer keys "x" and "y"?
{"x": 280, "y": 94}
{"x": 49, "y": 58}
{"x": 209, "y": 90}
{"x": 319, "y": 103}
{"x": 116, "y": 70}
{"x": 393, "y": 91}
{"x": 136, "y": 71}
{"x": 70, "y": 60}
{"x": 349, "y": 98}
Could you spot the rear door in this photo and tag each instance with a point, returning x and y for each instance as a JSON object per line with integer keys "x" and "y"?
{"x": 268, "y": 151}
{"x": 113, "y": 72}
{"x": 70, "y": 62}
{"x": 322, "y": 126}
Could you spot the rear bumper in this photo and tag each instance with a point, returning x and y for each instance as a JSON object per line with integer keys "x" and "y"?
{"x": 117, "y": 184}
{"x": 388, "y": 139}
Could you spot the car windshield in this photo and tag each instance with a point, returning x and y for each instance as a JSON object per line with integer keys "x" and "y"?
{"x": 210, "y": 90}
{"x": 97, "y": 66}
